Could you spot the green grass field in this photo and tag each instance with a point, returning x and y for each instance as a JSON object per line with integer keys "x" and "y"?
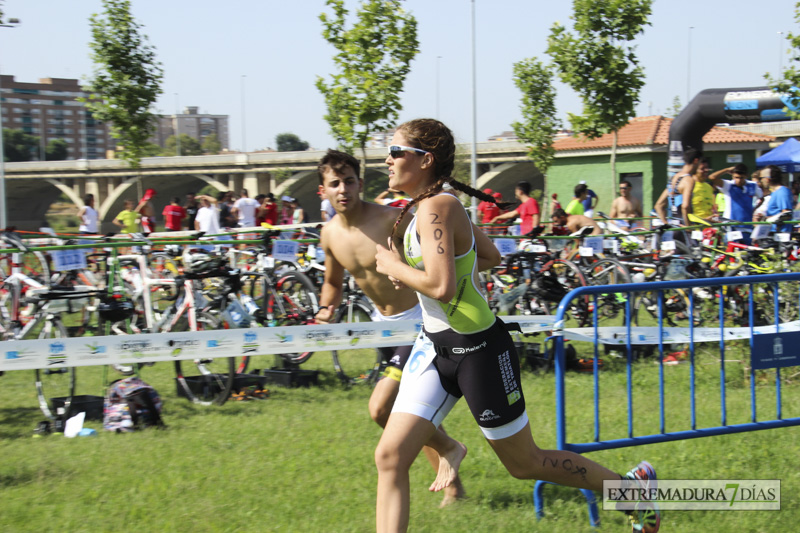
{"x": 302, "y": 460}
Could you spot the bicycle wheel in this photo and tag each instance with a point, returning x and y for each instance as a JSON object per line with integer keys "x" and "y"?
{"x": 214, "y": 382}
{"x": 361, "y": 365}
{"x": 35, "y": 266}
{"x": 289, "y": 301}
{"x": 675, "y": 308}
{"x": 55, "y": 381}
{"x": 609, "y": 307}
{"x": 553, "y": 282}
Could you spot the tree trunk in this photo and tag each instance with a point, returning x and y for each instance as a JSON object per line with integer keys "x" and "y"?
{"x": 363, "y": 171}
{"x": 614, "y": 163}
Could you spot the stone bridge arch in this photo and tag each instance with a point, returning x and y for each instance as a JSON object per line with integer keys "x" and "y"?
{"x": 504, "y": 177}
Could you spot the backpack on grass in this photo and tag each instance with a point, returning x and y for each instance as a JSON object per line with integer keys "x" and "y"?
{"x": 131, "y": 404}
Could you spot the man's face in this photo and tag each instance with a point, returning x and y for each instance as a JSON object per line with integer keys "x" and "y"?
{"x": 624, "y": 190}
{"x": 739, "y": 179}
{"x": 560, "y": 220}
{"x": 703, "y": 170}
{"x": 341, "y": 189}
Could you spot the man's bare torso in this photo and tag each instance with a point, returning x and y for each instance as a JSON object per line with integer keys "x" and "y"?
{"x": 626, "y": 207}
{"x": 353, "y": 246}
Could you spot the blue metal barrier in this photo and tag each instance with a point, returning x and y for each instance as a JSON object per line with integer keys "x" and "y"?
{"x": 688, "y": 288}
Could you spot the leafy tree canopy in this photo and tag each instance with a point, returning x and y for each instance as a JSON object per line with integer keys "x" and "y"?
{"x": 126, "y": 81}
{"x": 372, "y": 61}
{"x": 289, "y": 142}
{"x": 57, "y": 150}
{"x": 189, "y": 146}
{"x": 211, "y": 144}
{"x": 540, "y": 124}
{"x": 789, "y": 80}
{"x": 19, "y": 146}
{"x": 594, "y": 62}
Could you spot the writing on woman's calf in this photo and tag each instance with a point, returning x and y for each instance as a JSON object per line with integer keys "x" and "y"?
{"x": 566, "y": 464}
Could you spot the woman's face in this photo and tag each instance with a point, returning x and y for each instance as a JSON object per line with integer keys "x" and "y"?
{"x": 406, "y": 172}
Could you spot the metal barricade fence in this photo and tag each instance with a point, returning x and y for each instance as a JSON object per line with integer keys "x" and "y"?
{"x": 771, "y": 343}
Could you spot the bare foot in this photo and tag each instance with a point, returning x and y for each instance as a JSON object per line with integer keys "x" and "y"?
{"x": 448, "y": 467}
{"x": 453, "y": 493}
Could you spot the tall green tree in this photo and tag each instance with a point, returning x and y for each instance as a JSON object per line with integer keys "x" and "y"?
{"x": 788, "y": 81}
{"x": 126, "y": 81}
{"x": 598, "y": 63}
{"x": 373, "y": 59}
{"x": 19, "y": 146}
{"x": 289, "y": 142}
{"x": 675, "y": 110}
{"x": 189, "y": 146}
{"x": 57, "y": 150}
{"x": 540, "y": 124}
{"x": 211, "y": 144}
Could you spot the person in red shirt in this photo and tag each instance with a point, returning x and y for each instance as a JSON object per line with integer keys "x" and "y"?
{"x": 528, "y": 210}
{"x": 269, "y": 210}
{"x": 174, "y": 215}
{"x": 488, "y": 211}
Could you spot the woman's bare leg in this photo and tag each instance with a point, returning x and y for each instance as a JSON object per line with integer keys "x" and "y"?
{"x": 441, "y": 445}
{"x": 524, "y": 460}
{"x": 401, "y": 441}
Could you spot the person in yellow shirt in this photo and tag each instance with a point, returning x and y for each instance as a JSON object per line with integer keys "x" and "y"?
{"x": 702, "y": 201}
{"x": 128, "y": 219}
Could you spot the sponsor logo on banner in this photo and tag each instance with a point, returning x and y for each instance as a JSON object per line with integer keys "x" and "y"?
{"x": 93, "y": 351}
{"x": 319, "y": 336}
{"x": 137, "y": 348}
{"x": 176, "y": 346}
{"x": 57, "y": 354}
{"x": 283, "y": 337}
{"x": 219, "y": 344}
{"x": 17, "y": 356}
{"x": 250, "y": 342}
{"x": 357, "y": 334}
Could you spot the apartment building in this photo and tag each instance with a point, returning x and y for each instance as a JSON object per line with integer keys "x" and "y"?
{"x": 50, "y": 110}
{"x": 194, "y": 124}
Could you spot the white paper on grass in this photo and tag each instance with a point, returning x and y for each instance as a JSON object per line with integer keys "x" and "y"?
{"x": 74, "y": 425}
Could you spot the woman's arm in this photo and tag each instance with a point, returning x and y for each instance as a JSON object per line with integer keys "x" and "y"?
{"x": 488, "y": 254}
{"x": 437, "y": 219}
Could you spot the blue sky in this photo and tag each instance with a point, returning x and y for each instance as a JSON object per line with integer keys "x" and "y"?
{"x": 207, "y": 47}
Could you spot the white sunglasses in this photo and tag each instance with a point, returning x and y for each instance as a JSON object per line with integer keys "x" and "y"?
{"x": 397, "y": 150}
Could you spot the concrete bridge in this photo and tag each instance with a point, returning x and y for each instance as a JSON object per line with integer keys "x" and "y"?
{"x": 32, "y": 187}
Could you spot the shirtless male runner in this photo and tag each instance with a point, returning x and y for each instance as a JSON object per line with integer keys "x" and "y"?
{"x": 626, "y": 206}
{"x": 574, "y": 222}
{"x": 349, "y": 240}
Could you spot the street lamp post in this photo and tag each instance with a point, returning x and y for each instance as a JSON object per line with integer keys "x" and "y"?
{"x": 3, "y": 207}
{"x": 689, "y": 66}
{"x": 437, "y": 87}
{"x": 177, "y": 127}
{"x": 473, "y": 180}
{"x": 244, "y": 117}
{"x": 780, "y": 53}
